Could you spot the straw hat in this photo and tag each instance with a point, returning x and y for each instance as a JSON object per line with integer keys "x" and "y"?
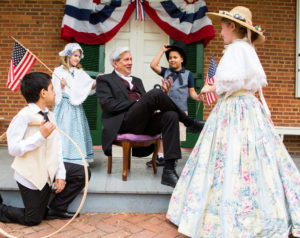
{"x": 241, "y": 15}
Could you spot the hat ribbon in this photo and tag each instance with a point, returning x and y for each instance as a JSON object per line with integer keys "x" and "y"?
{"x": 236, "y": 16}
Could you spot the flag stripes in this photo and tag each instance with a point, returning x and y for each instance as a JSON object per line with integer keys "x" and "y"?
{"x": 21, "y": 63}
{"x": 211, "y": 97}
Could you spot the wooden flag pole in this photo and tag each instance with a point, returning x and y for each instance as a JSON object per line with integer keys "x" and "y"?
{"x": 198, "y": 107}
{"x": 37, "y": 59}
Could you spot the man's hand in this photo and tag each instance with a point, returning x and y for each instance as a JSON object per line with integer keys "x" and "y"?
{"x": 166, "y": 85}
{"x": 94, "y": 84}
{"x": 47, "y": 128}
{"x": 59, "y": 185}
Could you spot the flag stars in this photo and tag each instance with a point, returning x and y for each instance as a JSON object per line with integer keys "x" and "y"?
{"x": 18, "y": 53}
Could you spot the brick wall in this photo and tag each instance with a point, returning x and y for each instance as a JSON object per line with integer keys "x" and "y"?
{"x": 37, "y": 25}
{"x": 277, "y": 54}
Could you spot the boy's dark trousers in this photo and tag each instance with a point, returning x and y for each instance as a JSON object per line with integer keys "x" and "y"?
{"x": 35, "y": 202}
{"x": 75, "y": 181}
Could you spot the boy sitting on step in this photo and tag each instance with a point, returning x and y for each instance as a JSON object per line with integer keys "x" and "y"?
{"x": 36, "y": 145}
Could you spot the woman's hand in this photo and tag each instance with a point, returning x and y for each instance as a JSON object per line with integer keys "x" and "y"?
{"x": 208, "y": 88}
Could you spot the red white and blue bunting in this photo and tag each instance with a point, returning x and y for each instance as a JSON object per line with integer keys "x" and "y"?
{"x": 139, "y": 10}
{"x": 98, "y": 21}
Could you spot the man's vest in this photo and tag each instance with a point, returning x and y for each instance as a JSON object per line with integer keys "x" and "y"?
{"x": 40, "y": 165}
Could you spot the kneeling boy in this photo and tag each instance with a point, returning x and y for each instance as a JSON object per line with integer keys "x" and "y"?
{"x": 37, "y": 150}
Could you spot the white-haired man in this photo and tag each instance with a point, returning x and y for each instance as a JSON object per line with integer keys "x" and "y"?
{"x": 127, "y": 108}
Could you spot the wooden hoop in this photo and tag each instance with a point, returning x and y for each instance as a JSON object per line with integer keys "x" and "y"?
{"x": 85, "y": 187}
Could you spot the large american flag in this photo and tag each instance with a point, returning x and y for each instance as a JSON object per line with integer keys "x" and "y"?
{"x": 211, "y": 97}
{"x": 21, "y": 63}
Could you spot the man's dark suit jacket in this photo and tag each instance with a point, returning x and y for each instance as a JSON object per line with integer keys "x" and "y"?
{"x": 115, "y": 101}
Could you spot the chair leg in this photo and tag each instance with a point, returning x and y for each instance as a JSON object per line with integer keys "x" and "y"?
{"x": 129, "y": 158}
{"x": 109, "y": 164}
{"x": 154, "y": 156}
{"x": 126, "y": 149}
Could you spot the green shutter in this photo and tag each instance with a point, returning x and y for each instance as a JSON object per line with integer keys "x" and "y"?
{"x": 195, "y": 64}
{"x": 93, "y": 64}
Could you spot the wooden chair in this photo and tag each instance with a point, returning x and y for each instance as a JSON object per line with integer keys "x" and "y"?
{"x": 127, "y": 141}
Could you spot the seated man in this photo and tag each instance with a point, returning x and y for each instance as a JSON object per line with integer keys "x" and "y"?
{"x": 127, "y": 108}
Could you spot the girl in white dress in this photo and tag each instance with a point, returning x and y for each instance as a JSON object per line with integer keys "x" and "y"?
{"x": 73, "y": 87}
{"x": 239, "y": 180}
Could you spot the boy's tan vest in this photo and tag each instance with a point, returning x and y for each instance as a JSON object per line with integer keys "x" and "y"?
{"x": 40, "y": 165}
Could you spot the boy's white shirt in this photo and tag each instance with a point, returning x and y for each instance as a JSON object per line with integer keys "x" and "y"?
{"x": 17, "y": 146}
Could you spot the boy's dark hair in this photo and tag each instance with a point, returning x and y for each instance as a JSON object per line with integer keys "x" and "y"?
{"x": 32, "y": 84}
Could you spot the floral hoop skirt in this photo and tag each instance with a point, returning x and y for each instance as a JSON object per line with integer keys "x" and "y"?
{"x": 239, "y": 180}
{"x": 72, "y": 120}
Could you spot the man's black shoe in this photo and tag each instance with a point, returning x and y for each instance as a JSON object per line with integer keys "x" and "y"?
{"x": 55, "y": 214}
{"x": 169, "y": 177}
{"x": 1, "y": 200}
{"x": 196, "y": 126}
{"x": 159, "y": 162}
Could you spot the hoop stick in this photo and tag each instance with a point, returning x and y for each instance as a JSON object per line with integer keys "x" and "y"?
{"x": 85, "y": 187}
{"x": 2, "y": 136}
{"x": 38, "y": 59}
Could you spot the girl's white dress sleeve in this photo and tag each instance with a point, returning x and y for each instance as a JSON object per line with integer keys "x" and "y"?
{"x": 239, "y": 68}
{"x": 78, "y": 89}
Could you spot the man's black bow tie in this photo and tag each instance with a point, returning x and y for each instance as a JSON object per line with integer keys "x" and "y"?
{"x": 44, "y": 114}
{"x": 174, "y": 72}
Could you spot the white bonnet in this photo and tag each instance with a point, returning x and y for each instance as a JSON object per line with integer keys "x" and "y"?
{"x": 70, "y": 49}
{"x": 115, "y": 55}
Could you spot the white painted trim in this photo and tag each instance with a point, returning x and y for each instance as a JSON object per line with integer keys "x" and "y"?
{"x": 282, "y": 130}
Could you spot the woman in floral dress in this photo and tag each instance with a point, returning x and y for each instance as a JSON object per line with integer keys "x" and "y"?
{"x": 239, "y": 180}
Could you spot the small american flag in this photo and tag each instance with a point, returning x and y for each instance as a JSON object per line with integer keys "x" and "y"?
{"x": 21, "y": 63}
{"x": 211, "y": 97}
